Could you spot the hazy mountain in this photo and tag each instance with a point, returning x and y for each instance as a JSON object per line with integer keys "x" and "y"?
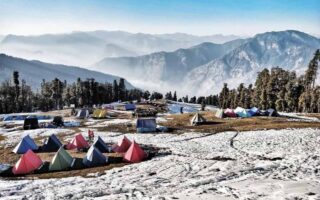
{"x": 169, "y": 67}
{"x": 85, "y": 48}
{"x": 34, "y": 71}
{"x": 218, "y": 38}
{"x": 290, "y": 50}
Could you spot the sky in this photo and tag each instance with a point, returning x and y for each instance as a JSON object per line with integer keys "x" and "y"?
{"x": 198, "y": 17}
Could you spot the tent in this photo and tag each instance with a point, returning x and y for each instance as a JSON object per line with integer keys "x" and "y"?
{"x": 130, "y": 106}
{"x": 57, "y": 121}
{"x": 83, "y": 113}
{"x": 51, "y": 144}
{"x": 254, "y": 111}
{"x": 135, "y": 153}
{"x": 78, "y": 142}
{"x": 61, "y": 160}
{"x": 241, "y": 112}
{"x": 230, "y": 113}
{"x": 94, "y": 158}
{"x": 27, "y": 143}
{"x": 219, "y": 113}
{"x": 272, "y": 112}
{"x": 122, "y": 145}
{"x": 96, "y": 113}
{"x": 145, "y": 125}
{"x": 197, "y": 119}
{"x": 30, "y": 123}
{"x": 27, "y": 163}
{"x": 103, "y": 114}
{"x": 101, "y": 145}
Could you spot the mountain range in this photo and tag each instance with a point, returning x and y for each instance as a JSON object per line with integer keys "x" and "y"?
{"x": 34, "y": 71}
{"x": 86, "y": 48}
{"x": 202, "y": 69}
{"x": 191, "y": 65}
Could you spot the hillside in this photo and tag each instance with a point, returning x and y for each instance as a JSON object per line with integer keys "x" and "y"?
{"x": 291, "y": 50}
{"x": 34, "y": 71}
{"x": 169, "y": 67}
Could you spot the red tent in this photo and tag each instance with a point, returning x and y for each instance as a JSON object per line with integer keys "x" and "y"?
{"x": 230, "y": 113}
{"x": 78, "y": 142}
{"x": 27, "y": 163}
{"x": 122, "y": 145}
{"x": 135, "y": 153}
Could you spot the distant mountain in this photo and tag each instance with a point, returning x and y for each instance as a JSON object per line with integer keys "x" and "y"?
{"x": 291, "y": 50}
{"x": 86, "y": 48}
{"x": 34, "y": 71}
{"x": 170, "y": 67}
{"x": 218, "y": 38}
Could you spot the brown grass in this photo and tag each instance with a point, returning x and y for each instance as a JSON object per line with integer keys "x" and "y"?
{"x": 180, "y": 123}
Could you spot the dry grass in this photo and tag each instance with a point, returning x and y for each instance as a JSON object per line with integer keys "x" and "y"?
{"x": 180, "y": 123}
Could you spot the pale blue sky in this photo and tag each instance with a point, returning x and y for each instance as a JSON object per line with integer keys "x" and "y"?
{"x": 201, "y": 17}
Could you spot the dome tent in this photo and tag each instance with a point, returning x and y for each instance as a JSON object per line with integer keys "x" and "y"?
{"x": 230, "y": 113}
{"x": 122, "y": 145}
{"x": 241, "y": 112}
{"x": 52, "y": 144}
{"x": 78, "y": 142}
{"x": 219, "y": 113}
{"x": 28, "y": 163}
{"x": 24, "y": 145}
{"x": 197, "y": 119}
{"x": 61, "y": 160}
{"x": 94, "y": 158}
{"x": 135, "y": 153}
{"x": 101, "y": 145}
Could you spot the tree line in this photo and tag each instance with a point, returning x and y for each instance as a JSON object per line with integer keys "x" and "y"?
{"x": 16, "y": 96}
{"x": 278, "y": 89}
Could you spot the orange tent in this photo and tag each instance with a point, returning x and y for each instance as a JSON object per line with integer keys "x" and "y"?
{"x": 122, "y": 145}
{"x": 27, "y": 163}
{"x": 135, "y": 153}
{"x": 78, "y": 142}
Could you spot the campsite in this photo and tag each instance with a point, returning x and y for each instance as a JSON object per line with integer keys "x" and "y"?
{"x": 160, "y": 100}
{"x": 67, "y": 152}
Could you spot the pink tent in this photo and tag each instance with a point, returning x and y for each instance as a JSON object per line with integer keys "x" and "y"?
{"x": 230, "y": 113}
{"x": 27, "y": 163}
{"x": 135, "y": 153}
{"x": 122, "y": 145}
{"x": 78, "y": 142}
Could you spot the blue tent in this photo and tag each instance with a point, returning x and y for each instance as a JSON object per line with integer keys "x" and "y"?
{"x": 241, "y": 112}
{"x": 24, "y": 145}
{"x": 52, "y": 144}
{"x": 101, "y": 145}
{"x": 94, "y": 158}
{"x": 253, "y": 111}
{"x": 130, "y": 106}
{"x": 145, "y": 125}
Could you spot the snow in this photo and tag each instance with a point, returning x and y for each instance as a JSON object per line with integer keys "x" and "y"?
{"x": 269, "y": 164}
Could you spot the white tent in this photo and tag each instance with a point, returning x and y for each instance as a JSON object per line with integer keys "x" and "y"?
{"x": 197, "y": 119}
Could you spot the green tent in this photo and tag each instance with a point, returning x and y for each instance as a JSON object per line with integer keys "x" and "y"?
{"x": 62, "y": 160}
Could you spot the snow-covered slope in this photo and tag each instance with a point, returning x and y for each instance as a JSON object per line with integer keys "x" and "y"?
{"x": 290, "y": 50}
{"x": 271, "y": 164}
{"x": 165, "y": 67}
{"x": 34, "y": 71}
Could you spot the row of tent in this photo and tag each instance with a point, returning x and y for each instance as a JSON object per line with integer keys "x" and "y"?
{"x": 102, "y": 113}
{"x": 245, "y": 113}
{"x": 62, "y": 160}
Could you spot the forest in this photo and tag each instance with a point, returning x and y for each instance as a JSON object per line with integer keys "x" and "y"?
{"x": 276, "y": 88}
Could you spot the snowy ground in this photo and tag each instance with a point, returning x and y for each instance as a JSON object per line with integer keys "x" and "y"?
{"x": 283, "y": 164}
